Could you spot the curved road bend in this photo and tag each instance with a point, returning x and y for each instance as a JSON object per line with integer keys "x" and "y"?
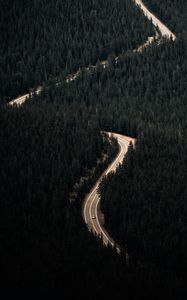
{"x": 91, "y": 212}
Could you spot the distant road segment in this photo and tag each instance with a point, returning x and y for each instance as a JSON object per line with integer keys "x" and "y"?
{"x": 156, "y": 22}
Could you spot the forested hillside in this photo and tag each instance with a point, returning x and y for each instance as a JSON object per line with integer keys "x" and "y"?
{"x": 145, "y": 89}
{"x": 46, "y": 149}
{"x": 145, "y": 201}
{"x": 53, "y": 145}
{"x": 145, "y": 207}
{"x": 43, "y": 40}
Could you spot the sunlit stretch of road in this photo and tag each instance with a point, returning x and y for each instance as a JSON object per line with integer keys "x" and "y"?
{"x": 164, "y": 30}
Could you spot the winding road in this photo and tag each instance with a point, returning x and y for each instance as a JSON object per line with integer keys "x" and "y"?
{"x": 92, "y": 215}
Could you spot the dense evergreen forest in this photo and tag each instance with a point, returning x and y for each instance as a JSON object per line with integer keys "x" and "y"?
{"x": 53, "y": 143}
{"x": 46, "y": 149}
{"x": 145, "y": 201}
{"x": 145, "y": 207}
{"x": 42, "y": 40}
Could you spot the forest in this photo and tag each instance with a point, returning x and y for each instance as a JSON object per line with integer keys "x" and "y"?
{"x": 43, "y": 40}
{"x": 53, "y": 143}
{"x": 144, "y": 203}
{"x": 46, "y": 148}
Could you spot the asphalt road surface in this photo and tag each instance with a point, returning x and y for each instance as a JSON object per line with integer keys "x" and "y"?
{"x": 91, "y": 212}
